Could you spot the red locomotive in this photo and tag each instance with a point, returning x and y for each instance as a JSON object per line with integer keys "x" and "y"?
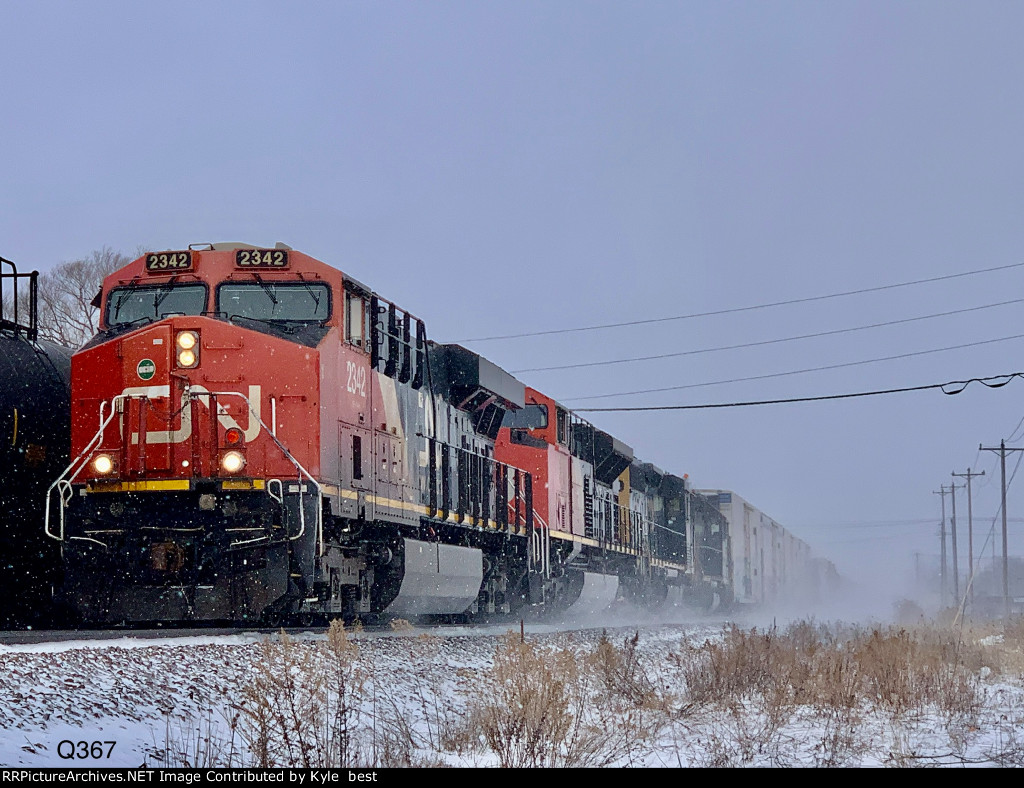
{"x": 259, "y": 437}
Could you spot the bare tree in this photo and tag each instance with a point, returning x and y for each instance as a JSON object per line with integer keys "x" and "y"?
{"x": 66, "y": 294}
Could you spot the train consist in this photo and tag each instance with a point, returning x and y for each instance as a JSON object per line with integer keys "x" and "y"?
{"x": 34, "y": 445}
{"x": 258, "y": 437}
{"x": 768, "y": 565}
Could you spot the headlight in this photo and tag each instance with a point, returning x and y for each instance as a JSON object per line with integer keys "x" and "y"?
{"x": 187, "y": 349}
{"x": 103, "y": 464}
{"x": 232, "y": 461}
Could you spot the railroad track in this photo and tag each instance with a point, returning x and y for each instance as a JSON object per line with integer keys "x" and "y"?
{"x": 34, "y": 636}
{"x": 43, "y": 636}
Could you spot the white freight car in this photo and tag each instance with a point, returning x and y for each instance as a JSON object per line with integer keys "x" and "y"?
{"x": 768, "y": 565}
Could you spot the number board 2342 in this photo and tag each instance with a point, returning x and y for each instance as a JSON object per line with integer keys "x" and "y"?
{"x": 261, "y": 258}
{"x": 168, "y": 261}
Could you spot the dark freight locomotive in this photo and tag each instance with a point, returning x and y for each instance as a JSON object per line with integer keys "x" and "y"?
{"x": 259, "y": 437}
{"x": 34, "y": 444}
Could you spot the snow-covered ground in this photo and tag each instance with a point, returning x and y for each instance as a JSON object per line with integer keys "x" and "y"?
{"x": 174, "y": 702}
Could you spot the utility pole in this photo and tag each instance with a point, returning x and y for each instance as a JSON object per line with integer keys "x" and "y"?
{"x": 956, "y": 568}
{"x": 1002, "y": 466}
{"x": 970, "y": 535}
{"x": 944, "y": 585}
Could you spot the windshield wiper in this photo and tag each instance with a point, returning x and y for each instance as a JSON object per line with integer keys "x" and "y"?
{"x": 129, "y": 288}
{"x": 266, "y": 287}
{"x": 312, "y": 294}
{"x": 162, "y": 293}
{"x": 279, "y": 324}
{"x": 286, "y": 325}
{"x": 118, "y": 327}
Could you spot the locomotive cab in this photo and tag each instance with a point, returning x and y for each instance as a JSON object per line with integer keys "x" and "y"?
{"x": 193, "y": 494}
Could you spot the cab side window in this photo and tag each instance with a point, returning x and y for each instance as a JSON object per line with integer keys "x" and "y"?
{"x": 563, "y": 427}
{"x": 355, "y": 319}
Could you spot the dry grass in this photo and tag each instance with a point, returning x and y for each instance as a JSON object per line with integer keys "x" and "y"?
{"x": 831, "y": 695}
{"x": 542, "y": 707}
{"x": 200, "y": 743}
{"x": 302, "y": 705}
{"x": 1002, "y": 645}
{"x": 836, "y": 677}
{"x": 627, "y": 681}
{"x": 894, "y": 668}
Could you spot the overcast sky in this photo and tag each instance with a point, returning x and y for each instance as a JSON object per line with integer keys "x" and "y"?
{"x": 501, "y": 168}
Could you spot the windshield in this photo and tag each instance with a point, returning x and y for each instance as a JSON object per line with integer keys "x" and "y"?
{"x": 284, "y": 301}
{"x": 131, "y": 304}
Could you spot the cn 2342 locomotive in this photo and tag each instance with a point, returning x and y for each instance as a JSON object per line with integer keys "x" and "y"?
{"x": 258, "y": 437}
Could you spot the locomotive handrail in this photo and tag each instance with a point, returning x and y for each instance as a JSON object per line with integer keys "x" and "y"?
{"x": 64, "y": 484}
{"x": 540, "y": 544}
{"x": 64, "y": 481}
{"x": 89, "y": 539}
{"x": 302, "y": 471}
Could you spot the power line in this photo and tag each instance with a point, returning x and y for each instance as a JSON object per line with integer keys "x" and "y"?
{"x": 766, "y": 341}
{"x": 865, "y": 539}
{"x": 929, "y": 523}
{"x": 956, "y": 387}
{"x": 1013, "y": 436}
{"x": 734, "y": 310}
{"x": 921, "y": 522}
{"x": 796, "y": 372}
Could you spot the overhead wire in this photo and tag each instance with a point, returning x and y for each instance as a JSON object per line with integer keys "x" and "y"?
{"x": 923, "y": 521}
{"x": 794, "y": 372}
{"x": 735, "y": 310}
{"x": 763, "y": 342}
{"x": 990, "y": 472}
{"x": 1013, "y": 435}
{"x": 954, "y": 386}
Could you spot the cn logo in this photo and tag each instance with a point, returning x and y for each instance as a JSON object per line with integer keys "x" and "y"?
{"x": 184, "y": 432}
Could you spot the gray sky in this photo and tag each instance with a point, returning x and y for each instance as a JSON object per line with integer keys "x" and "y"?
{"x": 499, "y": 168}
